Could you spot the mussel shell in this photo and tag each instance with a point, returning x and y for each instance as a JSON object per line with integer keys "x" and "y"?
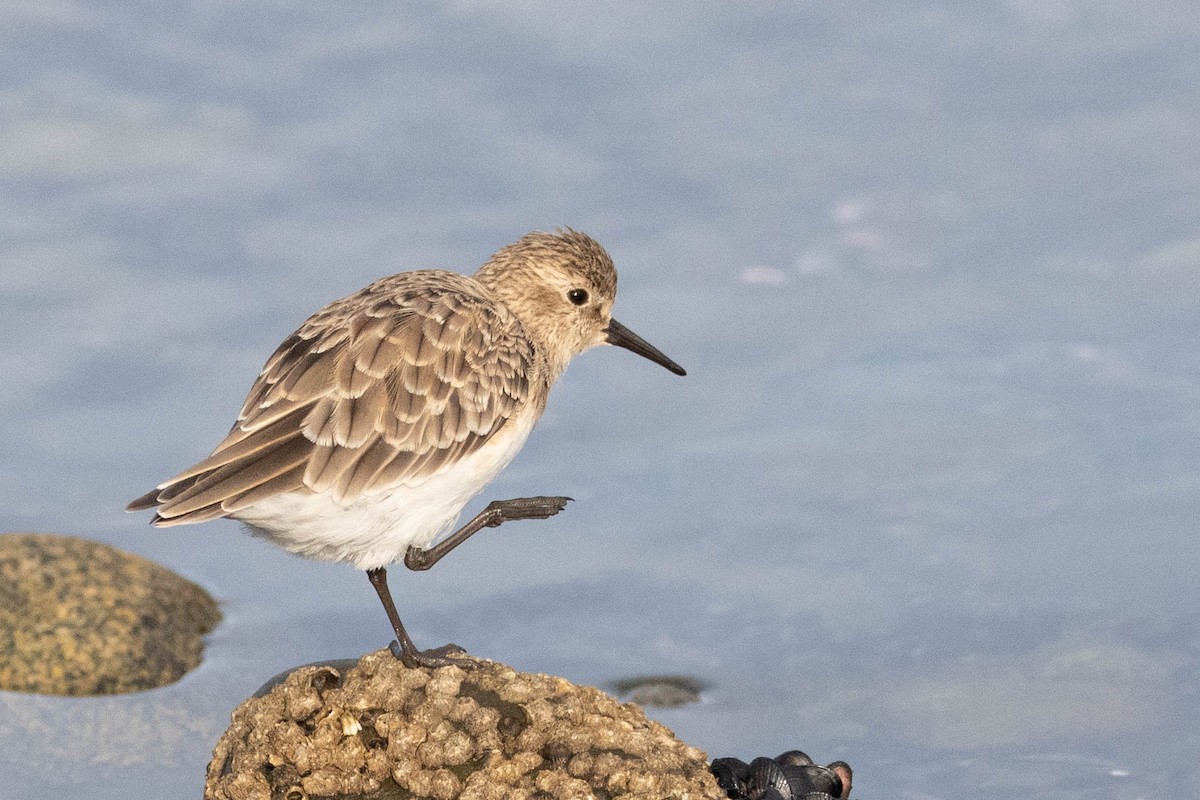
{"x": 766, "y": 775}
{"x": 843, "y": 771}
{"x": 789, "y": 776}
{"x": 812, "y": 778}
{"x": 795, "y": 758}
{"x": 731, "y": 775}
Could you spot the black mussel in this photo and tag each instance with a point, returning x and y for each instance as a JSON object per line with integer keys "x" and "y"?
{"x": 765, "y": 774}
{"x": 795, "y": 758}
{"x": 812, "y": 778}
{"x": 731, "y": 775}
{"x": 788, "y": 776}
{"x": 843, "y": 771}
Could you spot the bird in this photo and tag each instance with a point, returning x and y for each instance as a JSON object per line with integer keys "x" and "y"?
{"x": 371, "y": 427}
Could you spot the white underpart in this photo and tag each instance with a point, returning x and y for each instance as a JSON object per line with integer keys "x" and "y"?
{"x": 377, "y": 530}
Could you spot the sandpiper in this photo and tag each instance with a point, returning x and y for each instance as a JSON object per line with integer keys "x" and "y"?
{"x": 372, "y": 426}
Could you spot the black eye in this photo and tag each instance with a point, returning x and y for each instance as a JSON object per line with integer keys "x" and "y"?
{"x": 577, "y": 296}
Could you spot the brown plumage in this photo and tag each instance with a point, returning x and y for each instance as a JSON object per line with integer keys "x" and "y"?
{"x": 375, "y": 390}
{"x": 372, "y": 425}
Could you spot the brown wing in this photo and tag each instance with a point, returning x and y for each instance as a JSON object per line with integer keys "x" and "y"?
{"x": 384, "y": 387}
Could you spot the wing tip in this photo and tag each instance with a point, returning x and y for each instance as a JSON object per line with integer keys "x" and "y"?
{"x": 151, "y": 500}
{"x": 147, "y": 501}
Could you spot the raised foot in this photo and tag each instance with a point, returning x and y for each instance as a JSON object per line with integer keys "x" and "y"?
{"x": 497, "y": 513}
{"x": 444, "y": 656}
{"x": 502, "y": 511}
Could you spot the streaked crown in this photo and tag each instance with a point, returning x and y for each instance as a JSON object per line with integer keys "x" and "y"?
{"x": 560, "y": 285}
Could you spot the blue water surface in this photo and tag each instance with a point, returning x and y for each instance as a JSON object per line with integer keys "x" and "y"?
{"x": 926, "y": 500}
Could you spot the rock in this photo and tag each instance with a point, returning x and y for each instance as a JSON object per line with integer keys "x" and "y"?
{"x": 661, "y": 691}
{"x": 83, "y": 618}
{"x": 381, "y": 730}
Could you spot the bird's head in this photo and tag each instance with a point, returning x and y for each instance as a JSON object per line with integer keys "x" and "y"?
{"x": 562, "y": 287}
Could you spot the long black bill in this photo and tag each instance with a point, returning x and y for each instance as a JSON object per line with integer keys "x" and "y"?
{"x": 621, "y": 336}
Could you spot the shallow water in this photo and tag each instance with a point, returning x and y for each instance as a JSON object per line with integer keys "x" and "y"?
{"x": 926, "y": 500}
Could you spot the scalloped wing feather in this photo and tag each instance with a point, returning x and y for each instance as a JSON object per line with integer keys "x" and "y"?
{"x": 380, "y": 389}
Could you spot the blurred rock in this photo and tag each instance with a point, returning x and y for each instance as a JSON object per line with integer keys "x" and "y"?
{"x": 83, "y": 618}
{"x": 661, "y": 691}
{"x": 382, "y": 730}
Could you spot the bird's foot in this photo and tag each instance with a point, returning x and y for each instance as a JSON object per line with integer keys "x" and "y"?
{"x": 525, "y": 508}
{"x": 445, "y": 656}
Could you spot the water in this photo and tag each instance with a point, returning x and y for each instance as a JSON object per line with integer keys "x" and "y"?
{"x": 926, "y": 500}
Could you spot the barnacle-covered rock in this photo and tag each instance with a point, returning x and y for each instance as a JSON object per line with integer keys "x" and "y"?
{"x": 82, "y": 618}
{"x": 380, "y": 729}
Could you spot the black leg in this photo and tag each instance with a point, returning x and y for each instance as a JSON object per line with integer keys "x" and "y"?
{"x": 403, "y": 648}
{"x": 497, "y": 513}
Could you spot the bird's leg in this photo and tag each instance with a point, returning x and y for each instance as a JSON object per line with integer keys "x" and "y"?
{"x": 403, "y": 648}
{"x": 497, "y": 513}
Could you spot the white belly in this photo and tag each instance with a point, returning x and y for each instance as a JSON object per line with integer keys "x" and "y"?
{"x": 378, "y": 530}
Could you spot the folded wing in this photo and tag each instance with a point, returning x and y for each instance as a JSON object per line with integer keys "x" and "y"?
{"x": 380, "y": 389}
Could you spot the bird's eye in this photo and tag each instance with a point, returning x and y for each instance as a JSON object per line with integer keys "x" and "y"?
{"x": 577, "y": 296}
